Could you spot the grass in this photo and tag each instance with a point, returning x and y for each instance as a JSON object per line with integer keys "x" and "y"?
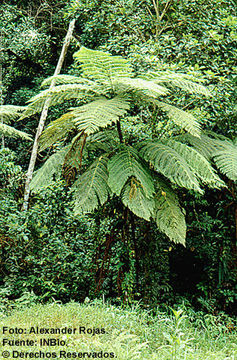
{"x": 130, "y": 333}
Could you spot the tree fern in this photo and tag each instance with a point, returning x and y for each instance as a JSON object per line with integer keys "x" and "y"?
{"x": 106, "y": 140}
{"x": 56, "y": 131}
{"x": 57, "y": 95}
{"x": 181, "y": 118}
{"x": 52, "y": 166}
{"x": 122, "y": 169}
{"x": 205, "y": 145}
{"x": 170, "y": 163}
{"x": 67, "y": 79}
{"x": 183, "y": 81}
{"x": 7, "y": 114}
{"x": 91, "y": 189}
{"x": 98, "y": 114}
{"x": 125, "y": 165}
{"x": 169, "y": 216}
{"x": 10, "y": 112}
{"x": 139, "y": 86}
{"x": 11, "y": 132}
{"x": 73, "y": 158}
{"x": 200, "y": 166}
{"x": 133, "y": 196}
{"x": 102, "y": 66}
{"x": 226, "y": 161}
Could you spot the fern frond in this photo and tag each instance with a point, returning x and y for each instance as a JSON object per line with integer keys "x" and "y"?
{"x": 56, "y": 131}
{"x": 170, "y": 163}
{"x": 133, "y": 196}
{"x": 106, "y": 140}
{"x": 169, "y": 216}
{"x": 12, "y": 132}
{"x": 57, "y": 95}
{"x": 205, "y": 145}
{"x": 140, "y": 86}
{"x": 102, "y": 66}
{"x": 52, "y": 167}
{"x": 67, "y": 79}
{"x": 10, "y": 112}
{"x": 200, "y": 166}
{"x": 126, "y": 164}
{"x": 226, "y": 161}
{"x": 73, "y": 159}
{"x": 181, "y": 118}
{"x": 183, "y": 81}
{"x": 98, "y": 114}
{"x": 91, "y": 189}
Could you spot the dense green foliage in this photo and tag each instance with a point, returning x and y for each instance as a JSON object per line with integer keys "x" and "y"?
{"x": 130, "y": 332}
{"x": 115, "y": 251}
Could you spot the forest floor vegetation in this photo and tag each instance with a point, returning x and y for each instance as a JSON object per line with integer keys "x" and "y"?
{"x": 98, "y": 330}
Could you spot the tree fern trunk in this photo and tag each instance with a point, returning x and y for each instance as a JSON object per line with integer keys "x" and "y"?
{"x": 119, "y": 132}
{"x": 43, "y": 117}
{"x": 133, "y": 228}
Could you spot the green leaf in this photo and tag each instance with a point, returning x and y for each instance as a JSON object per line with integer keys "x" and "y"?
{"x": 140, "y": 86}
{"x": 57, "y": 95}
{"x": 67, "y": 79}
{"x": 169, "y": 163}
{"x": 169, "y": 216}
{"x": 181, "y": 118}
{"x": 200, "y": 166}
{"x": 126, "y": 164}
{"x": 10, "y": 112}
{"x": 91, "y": 189}
{"x": 133, "y": 196}
{"x": 103, "y": 140}
{"x": 53, "y": 166}
{"x": 226, "y": 161}
{"x": 57, "y": 130}
{"x": 12, "y": 132}
{"x": 98, "y": 114}
{"x": 183, "y": 81}
{"x": 205, "y": 145}
{"x": 102, "y": 66}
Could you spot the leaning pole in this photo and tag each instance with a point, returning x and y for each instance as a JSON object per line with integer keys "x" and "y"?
{"x": 43, "y": 117}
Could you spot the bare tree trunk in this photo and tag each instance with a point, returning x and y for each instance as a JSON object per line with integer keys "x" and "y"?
{"x": 1, "y": 86}
{"x": 43, "y": 117}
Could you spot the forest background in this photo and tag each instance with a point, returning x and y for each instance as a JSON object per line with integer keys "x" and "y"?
{"x": 52, "y": 253}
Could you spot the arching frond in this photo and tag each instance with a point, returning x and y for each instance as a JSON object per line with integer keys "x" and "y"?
{"x": 226, "y": 161}
{"x": 181, "y": 118}
{"x": 56, "y": 131}
{"x": 91, "y": 189}
{"x": 169, "y": 216}
{"x": 170, "y": 163}
{"x": 98, "y": 114}
{"x": 138, "y": 85}
{"x": 12, "y": 132}
{"x": 10, "y": 112}
{"x": 197, "y": 163}
{"x": 125, "y": 165}
{"x": 183, "y": 81}
{"x": 205, "y": 145}
{"x": 52, "y": 167}
{"x": 73, "y": 157}
{"x": 57, "y": 95}
{"x": 102, "y": 66}
{"x": 133, "y": 196}
{"x": 67, "y": 79}
{"x": 106, "y": 140}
